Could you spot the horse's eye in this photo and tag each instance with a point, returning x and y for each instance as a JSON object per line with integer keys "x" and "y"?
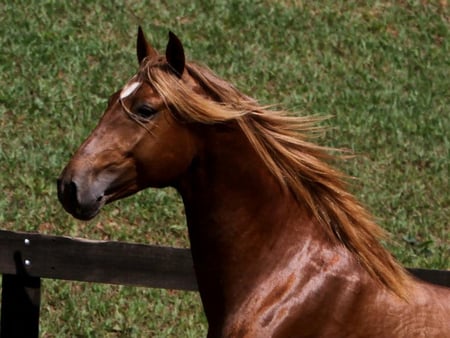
{"x": 145, "y": 111}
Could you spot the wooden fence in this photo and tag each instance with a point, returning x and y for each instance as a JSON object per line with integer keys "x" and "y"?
{"x": 25, "y": 258}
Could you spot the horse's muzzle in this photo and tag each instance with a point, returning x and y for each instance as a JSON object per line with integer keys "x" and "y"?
{"x": 78, "y": 202}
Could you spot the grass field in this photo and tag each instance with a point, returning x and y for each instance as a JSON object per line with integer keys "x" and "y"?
{"x": 381, "y": 68}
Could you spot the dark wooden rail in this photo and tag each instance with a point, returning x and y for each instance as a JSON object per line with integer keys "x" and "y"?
{"x": 58, "y": 257}
{"x": 25, "y": 258}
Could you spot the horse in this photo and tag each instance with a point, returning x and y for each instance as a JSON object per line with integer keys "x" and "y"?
{"x": 280, "y": 247}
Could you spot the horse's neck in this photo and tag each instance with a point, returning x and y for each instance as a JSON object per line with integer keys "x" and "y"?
{"x": 242, "y": 225}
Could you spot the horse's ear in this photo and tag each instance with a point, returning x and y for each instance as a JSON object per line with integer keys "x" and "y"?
{"x": 175, "y": 54}
{"x": 143, "y": 48}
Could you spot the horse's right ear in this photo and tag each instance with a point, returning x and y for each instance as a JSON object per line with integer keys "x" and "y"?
{"x": 143, "y": 48}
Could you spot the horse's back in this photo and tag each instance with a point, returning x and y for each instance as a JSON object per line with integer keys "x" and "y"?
{"x": 425, "y": 313}
{"x": 433, "y": 310}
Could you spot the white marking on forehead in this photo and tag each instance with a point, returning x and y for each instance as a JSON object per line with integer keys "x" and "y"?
{"x": 129, "y": 89}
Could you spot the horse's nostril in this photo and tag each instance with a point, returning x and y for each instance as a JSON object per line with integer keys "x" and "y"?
{"x": 71, "y": 189}
{"x": 67, "y": 192}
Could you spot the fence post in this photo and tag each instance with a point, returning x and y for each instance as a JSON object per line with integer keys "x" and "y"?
{"x": 21, "y": 296}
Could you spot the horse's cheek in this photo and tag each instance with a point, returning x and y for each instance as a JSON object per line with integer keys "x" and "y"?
{"x": 162, "y": 163}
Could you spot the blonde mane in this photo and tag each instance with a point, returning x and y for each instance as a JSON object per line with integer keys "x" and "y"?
{"x": 299, "y": 165}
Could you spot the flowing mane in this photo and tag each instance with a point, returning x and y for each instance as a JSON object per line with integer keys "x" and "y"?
{"x": 299, "y": 165}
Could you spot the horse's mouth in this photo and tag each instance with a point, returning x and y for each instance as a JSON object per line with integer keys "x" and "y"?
{"x": 118, "y": 191}
{"x": 83, "y": 212}
{"x": 84, "y": 201}
{"x": 88, "y": 212}
{"x": 85, "y": 215}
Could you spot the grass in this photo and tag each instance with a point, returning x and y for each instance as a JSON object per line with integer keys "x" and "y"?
{"x": 381, "y": 68}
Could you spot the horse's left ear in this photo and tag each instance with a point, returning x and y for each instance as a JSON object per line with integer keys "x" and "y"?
{"x": 175, "y": 54}
{"x": 143, "y": 48}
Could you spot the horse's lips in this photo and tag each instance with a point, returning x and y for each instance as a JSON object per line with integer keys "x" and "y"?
{"x": 118, "y": 191}
{"x": 86, "y": 212}
{"x": 84, "y": 216}
{"x": 87, "y": 203}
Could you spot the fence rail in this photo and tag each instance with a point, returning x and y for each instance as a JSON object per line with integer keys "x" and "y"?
{"x": 59, "y": 257}
{"x": 25, "y": 258}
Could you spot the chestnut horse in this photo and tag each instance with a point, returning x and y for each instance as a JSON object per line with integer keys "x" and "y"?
{"x": 280, "y": 247}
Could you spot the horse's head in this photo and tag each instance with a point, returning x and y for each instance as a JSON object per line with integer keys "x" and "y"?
{"x": 138, "y": 142}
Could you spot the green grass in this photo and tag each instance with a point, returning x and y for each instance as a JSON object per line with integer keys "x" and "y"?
{"x": 381, "y": 68}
